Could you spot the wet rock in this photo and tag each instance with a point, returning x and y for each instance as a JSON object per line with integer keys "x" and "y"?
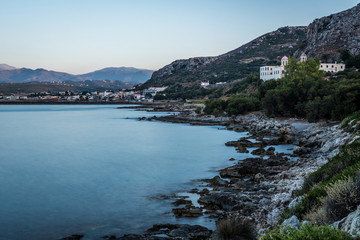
{"x": 301, "y": 150}
{"x": 74, "y": 237}
{"x": 191, "y": 232}
{"x": 259, "y": 151}
{"x": 182, "y": 202}
{"x": 188, "y": 211}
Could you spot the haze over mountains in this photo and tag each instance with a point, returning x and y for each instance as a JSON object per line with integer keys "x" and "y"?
{"x": 9, "y": 74}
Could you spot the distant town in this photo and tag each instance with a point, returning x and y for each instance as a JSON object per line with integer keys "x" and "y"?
{"x": 146, "y": 95}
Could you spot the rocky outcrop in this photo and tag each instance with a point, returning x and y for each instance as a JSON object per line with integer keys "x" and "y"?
{"x": 171, "y": 232}
{"x": 351, "y": 223}
{"x": 325, "y": 36}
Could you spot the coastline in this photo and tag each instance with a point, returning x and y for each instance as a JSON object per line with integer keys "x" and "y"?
{"x": 258, "y": 188}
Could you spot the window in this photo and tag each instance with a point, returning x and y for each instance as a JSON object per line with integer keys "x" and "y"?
{"x": 327, "y": 66}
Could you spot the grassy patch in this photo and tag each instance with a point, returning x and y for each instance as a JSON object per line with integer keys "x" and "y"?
{"x": 306, "y": 232}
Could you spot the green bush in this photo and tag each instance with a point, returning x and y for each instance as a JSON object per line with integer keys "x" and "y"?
{"x": 233, "y": 229}
{"x": 306, "y": 232}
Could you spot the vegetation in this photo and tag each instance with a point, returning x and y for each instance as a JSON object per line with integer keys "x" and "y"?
{"x": 303, "y": 92}
{"x": 306, "y": 232}
{"x": 233, "y": 229}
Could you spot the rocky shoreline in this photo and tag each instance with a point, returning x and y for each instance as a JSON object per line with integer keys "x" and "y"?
{"x": 255, "y": 189}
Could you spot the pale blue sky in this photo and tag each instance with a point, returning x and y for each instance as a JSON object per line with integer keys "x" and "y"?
{"x": 79, "y": 36}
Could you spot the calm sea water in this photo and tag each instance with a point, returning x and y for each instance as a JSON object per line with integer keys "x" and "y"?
{"x": 97, "y": 170}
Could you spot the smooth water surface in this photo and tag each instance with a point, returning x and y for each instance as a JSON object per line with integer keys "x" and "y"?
{"x": 97, "y": 170}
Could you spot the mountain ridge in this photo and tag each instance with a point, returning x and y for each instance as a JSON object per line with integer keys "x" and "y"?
{"x": 325, "y": 38}
{"x": 25, "y": 75}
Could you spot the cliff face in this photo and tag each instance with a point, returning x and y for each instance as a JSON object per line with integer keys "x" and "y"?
{"x": 327, "y": 36}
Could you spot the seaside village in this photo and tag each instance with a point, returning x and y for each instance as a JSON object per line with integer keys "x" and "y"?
{"x": 94, "y": 96}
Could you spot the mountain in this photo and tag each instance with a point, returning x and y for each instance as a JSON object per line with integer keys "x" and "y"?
{"x": 6, "y": 67}
{"x": 324, "y": 38}
{"x": 124, "y": 74}
{"x": 266, "y": 49}
{"x": 327, "y": 36}
{"x": 23, "y": 75}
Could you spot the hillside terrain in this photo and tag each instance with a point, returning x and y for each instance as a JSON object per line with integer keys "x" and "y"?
{"x": 267, "y": 49}
{"x": 325, "y": 38}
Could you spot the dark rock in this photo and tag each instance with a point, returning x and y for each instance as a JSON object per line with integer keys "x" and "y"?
{"x": 182, "y": 202}
{"x": 188, "y": 211}
{"x": 74, "y": 237}
{"x": 259, "y": 151}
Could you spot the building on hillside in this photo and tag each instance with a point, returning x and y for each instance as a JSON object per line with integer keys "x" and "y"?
{"x": 205, "y": 84}
{"x": 332, "y": 67}
{"x": 274, "y": 72}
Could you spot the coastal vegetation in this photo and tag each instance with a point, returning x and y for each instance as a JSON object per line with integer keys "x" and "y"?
{"x": 306, "y": 232}
{"x": 303, "y": 92}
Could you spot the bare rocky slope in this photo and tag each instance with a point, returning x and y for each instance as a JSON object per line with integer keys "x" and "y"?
{"x": 327, "y": 36}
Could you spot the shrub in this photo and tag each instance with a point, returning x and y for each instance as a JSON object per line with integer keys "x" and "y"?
{"x": 233, "y": 229}
{"x": 343, "y": 197}
{"x": 306, "y": 232}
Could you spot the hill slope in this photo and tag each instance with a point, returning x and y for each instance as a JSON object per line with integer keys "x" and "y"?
{"x": 125, "y": 74}
{"x": 324, "y": 38}
{"x": 238, "y": 63}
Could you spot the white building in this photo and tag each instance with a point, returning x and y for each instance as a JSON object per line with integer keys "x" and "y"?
{"x": 332, "y": 67}
{"x": 205, "y": 84}
{"x": 274, "y": 72}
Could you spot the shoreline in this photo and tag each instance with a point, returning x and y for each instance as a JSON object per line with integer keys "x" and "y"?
{"x": 258, "y": 188}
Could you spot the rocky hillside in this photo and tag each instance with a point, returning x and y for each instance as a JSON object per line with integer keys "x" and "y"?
{"x": 238, "y": 63}
{"x": 327, "y": 36}
{"x": 324, "y": 39}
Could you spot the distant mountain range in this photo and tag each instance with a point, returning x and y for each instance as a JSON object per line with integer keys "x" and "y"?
{"x": 9, "y": 74}
{"x": 6, "y": 67}
{"x": 124, "y": 74}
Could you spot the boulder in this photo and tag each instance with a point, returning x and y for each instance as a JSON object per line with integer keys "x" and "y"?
{"x": 292, "y": 222}
{"x": 351, "y": 223}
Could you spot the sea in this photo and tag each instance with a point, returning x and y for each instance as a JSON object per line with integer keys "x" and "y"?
{"x": 97, "y": 170}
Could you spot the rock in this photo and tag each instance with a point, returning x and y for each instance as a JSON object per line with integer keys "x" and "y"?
{"x": 259, "y": 151}
{"x": 195, "y": 232}
{"x": 264, "y": 201}
{"x": 292, "y": 222}
{"x": 295, "y": 202}
{"x": 182, "y": 202}
{"x": 188, "y": 211}
{"x": 301, "y": 150}
{"x": 259, "y": 177}
{"x": 351, "y": 223}
{"x": 232, "y": 159}
{"x": 74, "y": 237}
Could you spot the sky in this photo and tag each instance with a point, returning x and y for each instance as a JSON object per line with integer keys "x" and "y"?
{"x": 80, "y": 36}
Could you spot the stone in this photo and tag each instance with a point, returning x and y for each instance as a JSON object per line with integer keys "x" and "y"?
{"x": 292, "y": 222}
{"x": 351, "y": 223}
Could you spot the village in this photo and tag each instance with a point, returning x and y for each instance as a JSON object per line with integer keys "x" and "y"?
{"x": 146, "y": 95}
